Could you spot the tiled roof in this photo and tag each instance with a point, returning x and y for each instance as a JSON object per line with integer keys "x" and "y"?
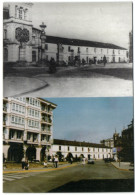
{"x": 78, "y": 42}
{"x": 77, "y": 143}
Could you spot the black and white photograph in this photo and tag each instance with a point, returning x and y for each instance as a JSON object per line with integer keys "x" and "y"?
{"x": 62, "y": 49}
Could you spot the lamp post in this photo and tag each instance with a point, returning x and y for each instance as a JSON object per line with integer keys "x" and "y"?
{"x": 43, "y": 38}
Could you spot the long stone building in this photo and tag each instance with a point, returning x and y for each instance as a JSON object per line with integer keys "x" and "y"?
{"x": 24, "y": 43}
{"x": 85, "y": 149}
{"x": 28, "y": 124}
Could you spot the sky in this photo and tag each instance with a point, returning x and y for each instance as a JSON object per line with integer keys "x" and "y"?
{"x": 90, "y": 119}
{"x": 108, "y": 22}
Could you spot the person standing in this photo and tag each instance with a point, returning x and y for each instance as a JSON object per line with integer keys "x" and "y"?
{"x": 56, "y": 161}
{"x": 104, "y": 60}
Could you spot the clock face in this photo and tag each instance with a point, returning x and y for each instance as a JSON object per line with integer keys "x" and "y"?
{"x": 22, "y": 35}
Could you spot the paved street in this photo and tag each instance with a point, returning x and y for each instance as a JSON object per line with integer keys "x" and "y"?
{"x": 100, "y": 177}
{"x": 88, "y": 81}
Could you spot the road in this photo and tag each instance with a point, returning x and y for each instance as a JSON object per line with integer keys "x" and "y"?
{"x": 100, "y": 177}
{"x": 86, "y": 81}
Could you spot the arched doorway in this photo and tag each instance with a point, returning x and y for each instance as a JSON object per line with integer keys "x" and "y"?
{"x": 43, "y": 153}
{"x": 15, "y": 152}
{"x": 31, "y": 153}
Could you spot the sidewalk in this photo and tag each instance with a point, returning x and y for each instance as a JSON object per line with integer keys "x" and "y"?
{"x": 49, "y": 168}
{"x": 125, "y": 166}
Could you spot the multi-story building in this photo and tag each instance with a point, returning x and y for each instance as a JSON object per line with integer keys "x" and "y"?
{"x": 27, "y": 122}
{"x": 108, "y": 142}
{"x": 77, "y": 149}
{"x": 22, "y": 42}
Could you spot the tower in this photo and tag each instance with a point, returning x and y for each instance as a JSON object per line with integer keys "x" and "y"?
{"x": 17, "y": 26}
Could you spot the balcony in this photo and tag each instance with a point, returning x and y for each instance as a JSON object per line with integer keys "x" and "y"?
{"x": 49, "y": 121}
{"x": 44, "y": 110}
{"x": 31, "y": 141}
{"x": 45, "y": 131}
{"x": 15, "y": 139}
{"x": 45, "y": 142}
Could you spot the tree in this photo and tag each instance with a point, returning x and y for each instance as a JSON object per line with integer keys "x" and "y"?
{"x": 69, "y": 156}
{"x": 60, "y": 156}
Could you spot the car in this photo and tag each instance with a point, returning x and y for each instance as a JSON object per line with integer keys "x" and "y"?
{"x": 91, "y": 161}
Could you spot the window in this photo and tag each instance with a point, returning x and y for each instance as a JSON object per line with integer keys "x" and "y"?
{"x": 95, "y": 50}
{"x": 21, "y": 13}
{"x": 59, "y": 148}
{"x": 101, "y": 50}
{"x": 25, "y": 14}
{"x": 78, "y": 49}
{"x": 69, "y": 48}
{"x": 88, "y": 150}
{"x": 28, "y": 136}
{"x": 86, "y": 49}
{"x": 93, "y": 149}
{"x": 5, "y": 13}
{"x": 118, "y": 51}
{"x": 68, "y": 148}
{"x": 107, "y": 50}
{"x": 13, "y": 106}
{"x": 12, "y": 132}
{"x": 19, "y": 134}
{"x": 82, "y": 148}
{"x": 75, "y": 148}
{"x": 46, "y": 46}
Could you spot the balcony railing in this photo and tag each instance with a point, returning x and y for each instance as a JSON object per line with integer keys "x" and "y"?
{"x": 45, "y": 142}
{"x": 46, "y": 120}
{"x": 46, "y": 110}
{"x": 46, "y": 131}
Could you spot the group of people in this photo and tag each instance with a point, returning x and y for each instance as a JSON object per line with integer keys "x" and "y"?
{"x": 25, "y": 165}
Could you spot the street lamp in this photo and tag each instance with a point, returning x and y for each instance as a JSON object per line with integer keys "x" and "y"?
{"x": 43, "y": 38}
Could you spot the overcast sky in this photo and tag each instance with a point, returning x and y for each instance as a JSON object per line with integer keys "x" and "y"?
{"x": 91, "y": 119}
{"x": 105, "y": 22}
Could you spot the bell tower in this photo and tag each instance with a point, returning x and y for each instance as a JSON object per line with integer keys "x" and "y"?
{"x": 18, "y": 27}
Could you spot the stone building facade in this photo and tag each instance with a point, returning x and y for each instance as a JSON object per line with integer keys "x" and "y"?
{"x": 27, "y": 123}
{"x": 22, "y": 42}
{"x": 85, "y": 149}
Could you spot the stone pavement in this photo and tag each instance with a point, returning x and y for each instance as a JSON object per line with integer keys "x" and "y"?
{"x": 125, "y": 166}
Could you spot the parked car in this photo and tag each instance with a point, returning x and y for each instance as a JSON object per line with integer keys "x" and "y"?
{"x": 91, "y": 161}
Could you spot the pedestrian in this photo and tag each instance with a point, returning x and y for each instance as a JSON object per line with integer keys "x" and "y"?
{"x": 56, "y": 161}
{"x": 45, "y": 164}
{"x": 26, "y": 165}
{"x": 104, "y": 60}
{"x": 83, "y": 161}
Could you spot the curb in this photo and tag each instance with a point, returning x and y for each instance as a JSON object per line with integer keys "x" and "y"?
{"x": 121, "y": 168}
{"x": 40, "y": 170}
